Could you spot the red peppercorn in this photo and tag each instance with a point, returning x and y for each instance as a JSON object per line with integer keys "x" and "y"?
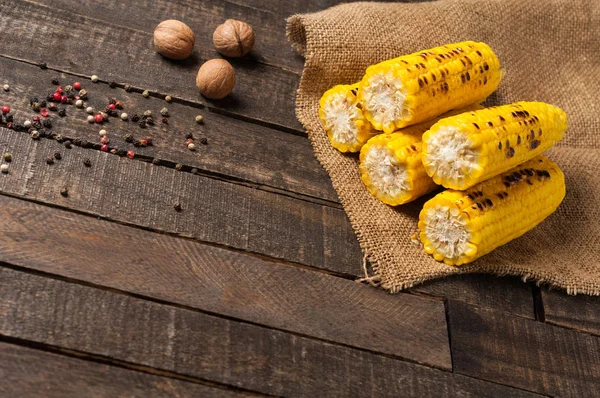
{"x": 130, "y": 154}
{"x": 144, "y": 142}
{"x": 56, "y": 96}
{"x": 188, "y": 141}
{"x": 5, "y": 109}
{"x": 59, "y": 89}
{"x": 77, "y": 86}
{"x": 63, "y": 99}
{"x": 112, "y": 107}
{"x": 104, "y": 139}
{"x": 104, "y": 148}
{"x": 98, "y": 118}
{"x": 35, "y": 119}
{"x": 44, "y": 112}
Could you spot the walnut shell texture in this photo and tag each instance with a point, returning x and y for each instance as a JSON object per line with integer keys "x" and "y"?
{"x": 174, "y": 39}
{"x": 215, "y": 78}
{"x": 233, "y": 38}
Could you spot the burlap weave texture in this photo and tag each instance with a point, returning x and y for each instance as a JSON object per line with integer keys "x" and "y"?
{"x": 549, "y": 51}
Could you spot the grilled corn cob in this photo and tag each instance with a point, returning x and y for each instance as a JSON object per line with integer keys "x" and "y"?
{"x": 343, "y": 119}
{"x": 391, "y": 167}
{"x": 457, "y": 227}
{"x": 420, "y": 86}
{"x": 462, "y": 150}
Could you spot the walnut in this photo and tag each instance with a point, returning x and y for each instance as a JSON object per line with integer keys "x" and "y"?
{"x": 174, "y": 39}
{"x": 215, "y": 78}
{"x": 233, "y": 38}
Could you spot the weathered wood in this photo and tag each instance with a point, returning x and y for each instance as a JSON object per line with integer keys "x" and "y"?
{"x": 578, "y": 312}
{"x": 493, "y": 345}
{"x": 126, "y": 55}
{"x": 235, "y": 148}
{"x": 193, "y": 344}
{"x": 213, "y": 211}
{"x": 31, "y": 373}
{"x": 223, "y": 282}
{"x": 508, "y": 294}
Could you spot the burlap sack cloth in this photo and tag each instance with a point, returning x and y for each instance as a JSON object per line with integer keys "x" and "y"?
{"x": 549, "y": 50}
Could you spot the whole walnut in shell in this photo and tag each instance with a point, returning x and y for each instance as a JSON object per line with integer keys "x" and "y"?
{"x": 233, "y": 38}
{"x": 215, "y": 78}
{"x": 174, "y": 39}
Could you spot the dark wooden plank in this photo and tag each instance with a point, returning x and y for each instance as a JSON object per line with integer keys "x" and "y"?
{"x": 224, "y": 282}
{"x": 31, "y": 373}
{"x": 193, "y": 344}
{"x": 496, "y": 346}
{"x": 245, "y": 151}
{"x": 212, "y": 210}
{"x": 87, "y": 46}
{"x": 508, "y": 294}
{"x": 578, "y": 312}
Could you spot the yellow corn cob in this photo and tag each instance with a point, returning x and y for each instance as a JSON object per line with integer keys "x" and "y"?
{"x": 343, "y": 119}
{"x": 462, "y": 150}
{"x": 457, "y": 227}
{"x": 420, "y": 86}
{"x": 391, "y": 167}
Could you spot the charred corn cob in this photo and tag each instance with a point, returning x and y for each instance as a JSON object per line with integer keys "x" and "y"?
{"x": 462, "y": 150}
{"x": 343, "y": 119}
{"x": 457, "y": 227}
{"x": 420, "y": 86}
{"x": 391, "y": 167}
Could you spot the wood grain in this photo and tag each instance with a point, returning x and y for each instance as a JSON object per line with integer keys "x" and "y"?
{"x": 213, "y": 211}
{"x": 496, "y": 346}
{"x": 198, "y": 345}
{"x": 578, "y": 312}
{"x": 126, "y": 55}
{"x": 32, "y": 373}
{"x": 223, "y": 282}
{"x": 244, "y": 151}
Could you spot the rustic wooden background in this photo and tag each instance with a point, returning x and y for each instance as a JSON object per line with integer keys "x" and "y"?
{"x": 249, "y": 289}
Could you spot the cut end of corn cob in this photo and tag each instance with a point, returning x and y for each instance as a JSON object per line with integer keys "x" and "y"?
{"x": 343, "y": 119}
{"x": 460, "y": 151}
{"x": 417, "y": 87}
{"x": 457, "y": 227}
{"x": 391, "y": 167}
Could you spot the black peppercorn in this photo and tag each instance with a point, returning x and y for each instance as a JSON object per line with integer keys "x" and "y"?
{"x": 59, "y": 138}
{"x": 62, "y": 112}
{"x": 71, "y": 95}
{"x": 128, "y": 88}
{"x": 165, "y": 120}
{"x": 112, "y": 101}
{"x": 135, "y": 118}
{"x": 68, "y": 144}
{"x": 43, "y": 103}
{"x": 57, "y": 156}
{"x": 204, "y": 141}
{"x": 177, "y": 207}
{"x": 87, "y": 163}
{"x": 156, "y": 161}
{"x": 112, "y": 84}
{"x": 55, "y": 81}
{"x": 49, "y": 97}
{"x": 128, "y": 137}
{"x": 189, "y": 136}
{"x": 150, "y": 121}
{"x": 112, "y": 113}
{"x": 49, "y": 160}
{"x": 9, "y": 118}
{"x": 137, "y": 143}
{"x": 18, "y": 127}
{"x": 121, "y": 152}
{"x": 43, "y": 65}
{"x": 33, "y": 99}
{"x": 47, "y": 123}
{"x": 64, "y": 192}
{"x": 142, "y": 124}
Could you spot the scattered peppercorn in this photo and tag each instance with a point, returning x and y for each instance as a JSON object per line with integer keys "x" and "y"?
{"x": 49, "y": 160}
{"x": 5, "y": 109}
{"x": 68, "y": 144}
{"x": 135, "y": 118}
{"x": 77, "y": 86}
{"x": 59, "y": 138}
{"x": 7, "y": 157}
{"x": 124, "y": 116}
{"x": 128, "y": 88}
{"x": 62, "y": 112}
{"x": 112, "y": 84}
{"x": 189, "y": 136}
{"x": 164, "y": 120}
{"x": 68, "y": 88}
{"x": 43, "y": 65}
{"x": 35, "y": 135}
{"x": 114, "y": 151}
{"x": 150, "y": 121}
{"x": 44, "y": 112}
{"x": 27, "y": 123}
{"x": 87, "y": 163}
{"x": 128, "y": 137}
{"x": 146, "y": 94}
{"x": 55, "y": 81}
{"x": 130, "y": 154}
{"x": 199, "y": 119}
{"x": 98, "y": 118}
{"x": 191, "y": 146}
{"x": 4, "y": 168}
{"x": 177, "y": 207}
{"x": 90, "y": 119}
{"x": 6, "y": 87}
{"x": 148, "y": 113}
{"x": 168, "y": 98}
{"x": 156, "y": 161}
{"x": 64, "y": 191}
{"x": 83, "y": 94}
{"x": 95, "y": 79}
{"x": 57, "y": 155}
{"x": 52, "y": 106}
{"x": 47, "y": 123}
{"x": 104, "y": 139}
{"x": 89, "y": 110}
{"x": 36, "y": 106}
{"x": 119, "y": 104}
{"x": 104, "y": 115}
{"x": 178, "y": 166}
{"x": 164, "y": 112}
{"x": 204, "y": 141}
{"x": 104, "y": 148}
{"x": 102, "y": 133}
{"x": 142, "y": 124}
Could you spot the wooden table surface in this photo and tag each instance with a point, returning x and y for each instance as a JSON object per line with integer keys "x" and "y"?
{"x": 250, "y": 288}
